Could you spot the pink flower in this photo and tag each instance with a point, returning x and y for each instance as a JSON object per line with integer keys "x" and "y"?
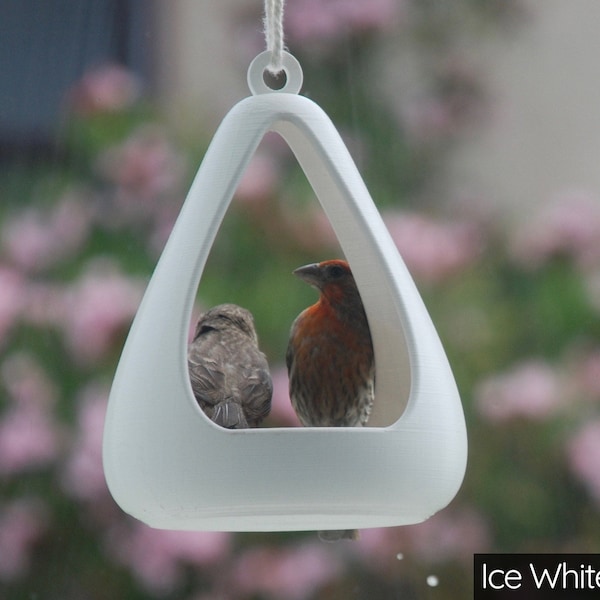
{"x": 433, "y": 250}
{"x": 436, "y": 110}
{"x": 569, "y": 224}
{"x": 379, "y": 547}
{"x": 29, "y": 435}
{"x": 582, "y": 373}
{"x": 35, "y": 240}
{"x": 446, "y": 536}
{"x": 27, "y": 240}
{"x": 144, "y": 167}
{"x": 157, "y": 557}
{"x": 310, "y": 229}
{"x": 311, "y": 20}
{"x": 99, "y": 309}
{"x": 531, "y": 390}
{"x": 588, "y": 374}
{"x": 22, "y": 523}
{"x": 449, "y": 536}
{"x": 289, "y": 573}
{"x": 11, "y": 299}
{"x": 428, "y": 119}
{"x": 26, "y": 382}
{"x": 259, "y": 180}
{"x": 28, "y": 439}
{"x": 108, "y": 88}
{"x": 282, "y": 412}
{"x": 45, "y": 304}
{"x": 162, "y": 228}
{"x": 83, "y": 477}
{"x": 583, "y": 453}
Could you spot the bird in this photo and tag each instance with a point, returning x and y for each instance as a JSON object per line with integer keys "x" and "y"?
{"x": 229, "y": 374}
{"x": 330, "y": 358}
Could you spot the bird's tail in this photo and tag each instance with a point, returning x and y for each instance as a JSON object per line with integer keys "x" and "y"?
{"x": 230, "y": 415}
{"x": 337, "y": 535}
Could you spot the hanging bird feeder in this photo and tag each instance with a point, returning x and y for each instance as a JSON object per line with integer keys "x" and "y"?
{"x": 169, "y": 466}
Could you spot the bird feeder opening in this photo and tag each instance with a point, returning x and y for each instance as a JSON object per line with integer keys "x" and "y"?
{"x": 281, "y": 228}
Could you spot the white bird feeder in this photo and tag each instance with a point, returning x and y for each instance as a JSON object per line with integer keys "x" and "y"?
{"x": 169, "y": 466}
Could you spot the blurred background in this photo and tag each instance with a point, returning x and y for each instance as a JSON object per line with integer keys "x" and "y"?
{"x": 476, "y": 128}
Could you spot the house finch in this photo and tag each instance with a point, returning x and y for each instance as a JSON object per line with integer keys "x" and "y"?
{"x": 330, "y": 357}
{"x": 229, "y": 374}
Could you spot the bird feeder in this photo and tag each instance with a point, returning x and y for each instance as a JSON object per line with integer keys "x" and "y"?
{"x": 169, "y": 466}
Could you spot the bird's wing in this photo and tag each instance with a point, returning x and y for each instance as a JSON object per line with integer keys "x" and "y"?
{"x": 256, "y": 393}
{"x": 207, "y": 378}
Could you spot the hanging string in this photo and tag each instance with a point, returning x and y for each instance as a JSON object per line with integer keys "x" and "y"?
{"x": 273, "y": 23}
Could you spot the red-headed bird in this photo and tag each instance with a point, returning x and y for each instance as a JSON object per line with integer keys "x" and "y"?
{"x": 229, "y": 374}
{"x": 330, "y": 358}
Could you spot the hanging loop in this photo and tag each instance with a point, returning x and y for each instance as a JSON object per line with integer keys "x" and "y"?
{"x": 259, "y": 66}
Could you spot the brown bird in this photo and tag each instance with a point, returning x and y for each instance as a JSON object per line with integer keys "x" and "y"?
{"x": 229, "y": 374}
{"x": 330, "y": 358}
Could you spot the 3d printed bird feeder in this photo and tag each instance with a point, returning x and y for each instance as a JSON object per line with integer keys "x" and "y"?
{"x": 168, "y": 465}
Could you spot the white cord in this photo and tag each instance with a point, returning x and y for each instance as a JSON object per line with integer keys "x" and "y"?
{"x": 273, "y": 23}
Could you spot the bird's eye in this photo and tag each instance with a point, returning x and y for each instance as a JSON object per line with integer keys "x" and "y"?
{"x": 335, "y": 271}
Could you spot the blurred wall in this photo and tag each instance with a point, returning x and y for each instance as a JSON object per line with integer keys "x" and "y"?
{"x": 544, "y": 131}
{"x": 544, "y": 78}
{"x": 199, "y": 68}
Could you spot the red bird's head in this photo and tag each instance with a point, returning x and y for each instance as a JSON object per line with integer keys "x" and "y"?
{"x": 335, "y": 282}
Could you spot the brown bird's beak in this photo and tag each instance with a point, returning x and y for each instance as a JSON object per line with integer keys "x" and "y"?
{"x": 309, "y": 273}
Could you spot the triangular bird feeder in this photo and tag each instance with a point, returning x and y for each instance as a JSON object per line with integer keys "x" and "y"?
{"x": 169, "y": 466}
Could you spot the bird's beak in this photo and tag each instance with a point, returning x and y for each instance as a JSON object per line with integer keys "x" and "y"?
{"x": 309, "y": 273}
